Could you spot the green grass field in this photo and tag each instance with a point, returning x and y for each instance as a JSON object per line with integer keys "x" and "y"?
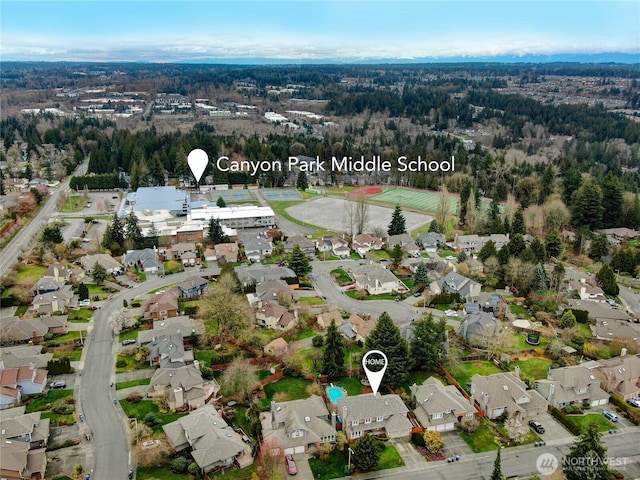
{"x": 463, "y": 372}
{"x": 75, "y": 203}
{"x": 141, "y": 409}
{"x": 583, "y": 420}
{"x": 133, "y": 383}
{"x": 80, "y": 315}
{"x": 482, "y": 440}
{"x": 332, "y": 468}
{"x": 312, "y": 301}
{"x": 419, "y": 199}
{"x": 533, "y": 367}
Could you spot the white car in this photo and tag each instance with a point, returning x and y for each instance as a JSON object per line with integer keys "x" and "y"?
{"x": 451, "y": 313}
{"x": 84, "y": 303}
{"x": 450, "y": 257}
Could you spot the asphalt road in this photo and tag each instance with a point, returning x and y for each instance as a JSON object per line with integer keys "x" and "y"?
{"x": 14, "y": 248}
{"x": 110, "y": 437}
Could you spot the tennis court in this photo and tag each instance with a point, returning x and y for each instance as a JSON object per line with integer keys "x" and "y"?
{"x": 418, "y": 199}
{"x": 280, "y": 195}
{"x": 231, "y": 196}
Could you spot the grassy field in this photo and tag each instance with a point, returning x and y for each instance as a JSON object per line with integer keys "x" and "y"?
{"x": 72, "y": 355}
{"x": 97, "y": 290}
{"x": 46, "y": 403}
{"x": 352, "y": 385}
{"x": 312, "y": 301}
{"x": 390, "y": 458}
{"x": 133, "y": 383}
{"x": 302, "y": 334}
{"x": 482, "y": 440}
{"x": 418, "y": 199}
{"x": 463, "y": 372}
{"x": 536, "y": 368}
{"x": 131, "y": 334}
{"x": 74, "y": 203}
{"x": 154, "y": 473}
{"x": 383, "y": 296}
{"x": 332, "y": 468}
{"x": 81, "y": 315}
{"x": 131, "y": 364}
{"x": 292, "y": 388}
{"x": 143, "y": 408}
{"x": 583, "y": 420}
{"x": 520, "y": 344}
{"x": 520, "y": 311}
{"x": 341, "y": 275}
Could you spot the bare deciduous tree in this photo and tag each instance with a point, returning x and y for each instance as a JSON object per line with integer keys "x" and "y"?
{"x": 121, "y": 320}
{"x": 516, "y": 428}
{"x": 362, "y": 213}
{"x": 444, "y": 205}
{"x": 240, "y": 378}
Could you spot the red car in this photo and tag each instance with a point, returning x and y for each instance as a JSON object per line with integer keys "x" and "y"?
{"x": 292, "y": 469}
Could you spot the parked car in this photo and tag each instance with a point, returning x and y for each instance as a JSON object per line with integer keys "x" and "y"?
{"x": 610, "y": 415}
{"x": 451, "y": 313}
{"x": 292, "y": 468}
{"x": 130, "y": 475}
{"x": 634, "y": 402}
{"x": 58, "y": 384}
{"x": 537, "y": 426}
{"x": 128, "y": 342}
{"x": 84, "y": 303}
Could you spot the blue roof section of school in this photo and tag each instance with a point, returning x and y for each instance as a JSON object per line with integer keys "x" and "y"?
{"x": 160, "y": 198}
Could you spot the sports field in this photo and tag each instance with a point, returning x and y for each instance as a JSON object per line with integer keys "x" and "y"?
{"x": 280, "y": 194}
{"x": 418, "y": 199}
{"x": 231, "y": 196}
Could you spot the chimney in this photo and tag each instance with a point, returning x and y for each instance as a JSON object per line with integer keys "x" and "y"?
{"x": 179, "y": 394}
{"x": 56, "y": 273}
{"x": 552, "y": 390}
{"x": 344, "y": 414}
{"x": 273, "y": 406}
{"x": 485, "y": 399}
{"x": 623, "y": 351}
{"x": 333, "y": 420}
{"x": 196, "y": 364}
{"x": 517, "y": 371}
{"x": 471, "y": 400}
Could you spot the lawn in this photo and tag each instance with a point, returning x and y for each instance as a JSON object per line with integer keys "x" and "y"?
{"x": 390, "y": 458}
{"x": 414, "y": 377}
{"x": 240, "y": 420}
{"x": 131, "y": 334}
{"x": 382, "y": 296}
{"x": 352, "y": 385}
{"x": 535, "y": 368}
{"x": 72, "y": 355}
{"x": 312, "y": 301}
{"x": 68, "y": 337}
{"x": 380, "y": 254}
{"x": 583, "y": 420}
{"x": 133, "y": 383}
{"x": 21, "y": 310}
{"x": 520, "y": 344}
{"x": 463, "y": 372}
{"x": 74, "y": 203}
{"x": 97, "y": 289}
{"x": 519, "y": 311}
{"x": 53, "y": 398}
{"x": 80, "y": 315}
{"x": 306, "y": 363}
{"x": 584, "y": 330}
{"x": 292, "y": 388}
{"x": 235, "y": 474}
{"x": 408, "y": 282}
{"x": 446, "y": 253}
{"x": 302, "y": 334}
{"x": 142, "y": 409}
{"x": 131, "y": 364}
{"x": 29, "y": 274}
{"x": 331, "y": 468}
{"x": 341, "y": 275}
{"x": 164, "y": 472}
{"x": 532, "y": 437}
{"x": 482, "y": 440}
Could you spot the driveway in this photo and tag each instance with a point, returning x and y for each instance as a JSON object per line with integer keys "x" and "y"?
{"x": 410, "y": 455}
{"x": 304, "y": 470}
{"x": 455, "y": 445}
{"x": 553, "y": 430}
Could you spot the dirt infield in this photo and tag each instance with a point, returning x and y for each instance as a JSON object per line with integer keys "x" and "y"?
{"x": 330, "y": 213}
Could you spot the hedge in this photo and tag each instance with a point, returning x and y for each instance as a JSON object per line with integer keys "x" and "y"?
{"x": 632, "y": 413}
{"x": 572, "y": 427}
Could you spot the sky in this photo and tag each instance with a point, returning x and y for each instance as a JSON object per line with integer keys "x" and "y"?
{"x": 178, "y": 31}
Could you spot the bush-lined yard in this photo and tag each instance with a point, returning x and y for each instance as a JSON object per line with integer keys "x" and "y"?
{"x": 463, "y": 372}
{"x": 141, "y": 409}
{"x": 482, "y": 440}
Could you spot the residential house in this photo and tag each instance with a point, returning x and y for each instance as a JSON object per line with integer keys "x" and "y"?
{"x": 375, "y": 279}
{"x": 276, "y": 347}
{"x": 335, "y": 245}
{"x": 145, "y": 260}
{"x": 307, "y": 246}
{"x": 227, "y": 252}
{"x": 110, "y": 264}
{"x": 505, "y": 392}
{"x": 58, "y": 272}
{"x": 587, "y": 291}
{"x": 179, "y": 249}
{"x": 189, "y": 259}
{"x": 18, "y": 356}
{"x": 255, "y": 274}
{"x": 168, "y": 351}
{"x": 617, "y": 235}
{"x": 182, "y": 387}
{"x": 324, "y": 319}
{"x": 213, "y": 443}
{"x": 272, "y": 290}
{"x": 453, "y": 282}
{"x": 48, "y": 303}
{"x": 402, "y": 239}
{"x": 620, "y": 375}
{"x": 364, "y": 243}
{"x": 210, "y": 255}
{"x": 192, "y": 287}
{"x": 369, "y": 413}
{"x": 493, "y": 303}
{"x": 255, "y": 249}
{"x": 297, "y": 425}
{"x": 569, "y": 385}
{"x": 10, "y": 397}
{"x": 478, "y": 328}
{"x": 182, "y": 325}
{"x": 356, "y": 328}
{"x": 430, "y": 241}
{"x": 21, "y": 463}
{"x": 162, "y": 305}
{"x": 474, "y": 243}
{"x": 438, "y": 407}
{"x": 275, "y": 316}
{"x": 14, "y": 330}
{"x": 614, "y": 329}
{"x": 18, "y": 426}
{"x": 28, "y": 379}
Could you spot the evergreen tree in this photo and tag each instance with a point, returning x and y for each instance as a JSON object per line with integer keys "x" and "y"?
{"x": 599, "y": 247}
{"x": 117, "y": 231}
{"x": 553, "y": 244}
{"x": 221, "y": 203}
{"x": 386, "y": 337}
{"x": 397, "y": 225}
{"x": 396, "y": 254}
{"x": 465, "y": 193}
{"x": 152, "y": 237}
{"x": 462, "y": 257}
{"x": 539, "y": 250}
{"x": 541, "y": 277}
{"x": 301, "y": 182}
{"x": 214, "y": 232}
{"x": 624, "y": 261}
{"x": 366, "y": 453}
{"x": 99, "y": 274}
{"x": 527, "y": 255}
{"x": 51, "y": 234}
{"x": 422, "y": 274}
{"x": 487, "y": 250}
{"x": 1, "y": 183}
{"x": 588, "y": 205}
{"x": 427, "y": 345}
{"x": 133, "y": 232}
{"x": 612, "y": 201}
{"x": 433, "y": 227}
{"x": 497, "y": 467}
{"x": 333, "y": 360}
{"x": 587, "y": 457}
{"x": 516, "y": 244}
{"x": 83, "y": 291}
{"x": 557, "y": 277}
{"x": 568, "y": 320}
{"x": 571, "y": 182}
{"x": 607, "y": 278}
{"x": 299, "y": 263}
{"x": 517, "y": 226}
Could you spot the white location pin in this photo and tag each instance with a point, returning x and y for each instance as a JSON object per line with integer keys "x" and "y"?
{"x": 379, "y": 362}
{"x": 198, "y": 161}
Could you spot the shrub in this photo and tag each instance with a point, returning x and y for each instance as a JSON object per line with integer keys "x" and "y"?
{"x": 151, "y": 419}
{"x": 179, "y": 465}
{"x": 193, "y": 469}
{"x": 191, "y": 310}
{"x": 470, "y": 424}
{"x": 134, "y": 397}
{"x": 569, "y": 425}
{"x": 317, "y": 341}
{"x": 121, "y": 363}
{"x": 418, "y": 440}
{"x": 572, "y": 409}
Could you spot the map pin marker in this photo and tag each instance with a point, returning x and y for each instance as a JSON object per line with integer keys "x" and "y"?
{"x": 198, "y": 161}
{"x": 378, "y": 361}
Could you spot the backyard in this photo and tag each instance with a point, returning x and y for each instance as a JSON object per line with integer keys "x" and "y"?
{"x": 463, "y": 372}
{"x": 285, "y": 389}
{"x": 143, "y": 408}
{"x": 56, "y": 405}
{"x": 536, "y": 368}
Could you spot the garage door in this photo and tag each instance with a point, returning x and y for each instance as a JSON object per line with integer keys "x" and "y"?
{"x": 299, "y": 449}
{"x": 602, "y": 401}
{"x": 288, "y": 451}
